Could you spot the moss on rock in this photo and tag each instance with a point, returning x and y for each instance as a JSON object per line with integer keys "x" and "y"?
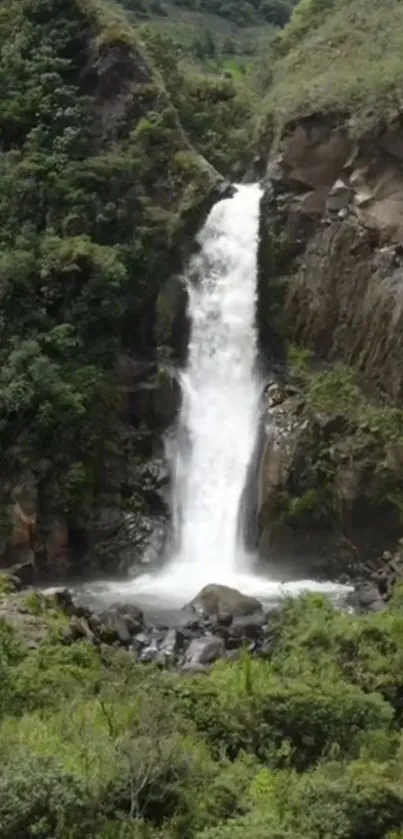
{"x": 340, "y": 465}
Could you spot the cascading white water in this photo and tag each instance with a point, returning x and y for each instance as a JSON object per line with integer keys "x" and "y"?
{"x": 218, "y": 421}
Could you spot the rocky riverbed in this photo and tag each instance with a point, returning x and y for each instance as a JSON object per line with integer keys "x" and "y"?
{"x": 217, "y": 624}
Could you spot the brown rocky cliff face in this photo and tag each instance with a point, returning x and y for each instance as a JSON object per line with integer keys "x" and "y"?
{"x": 336, "y": 208}
{"x": 332, "y": 270}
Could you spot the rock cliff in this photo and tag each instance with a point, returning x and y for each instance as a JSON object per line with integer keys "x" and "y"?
{"x": 331, "y": 260}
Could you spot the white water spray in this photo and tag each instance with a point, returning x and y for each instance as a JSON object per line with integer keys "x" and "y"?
{"x": 218, "y": 422}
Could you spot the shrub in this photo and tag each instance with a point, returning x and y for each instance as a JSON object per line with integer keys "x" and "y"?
{"x": 39, "y": 799}
{"x": 309, "y": 716}
{"x": 356, "y": 800}
{"x": 54, "y": 673}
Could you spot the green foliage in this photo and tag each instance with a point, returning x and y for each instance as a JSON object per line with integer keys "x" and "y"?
{"x": 299, "y": 360}
{"x": 344, "y": 430}
{"x": 216, "y": 112}
{"x": 6, "y": 584}
{"x": 304, "y": 505}
{"x": 89, "y": 208}
{"x": 284, "y": 724}
{"x": 306, "y": 17}
{"x": 336, "y": 393}
{"x": 334, "y": 390}
{"x": 39, "y": 798}
{"x": 326, "y": 62}
{"x": 96, "y": 745}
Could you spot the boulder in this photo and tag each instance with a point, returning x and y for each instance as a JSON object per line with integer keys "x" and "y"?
{"x": 149, "y": 654}
{"x": 24, "y": 572}
{"x": 140, "y": 641}
{"x": 246, "y": 628}
{"x": 172, "y": 642}
{"x": 203, "y": 651}
{"x": 120, "y": 623}
{"x": 63, "y": 599}
{"x": 339, "y": 196}
{"x": 78, "y": 630}
{"x": 169, "y": 648}
{"x": 367, "y": 598}
{"x": 215, "y": 599}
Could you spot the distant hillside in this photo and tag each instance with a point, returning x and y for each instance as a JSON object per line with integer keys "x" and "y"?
{"x": 211, "y": 30}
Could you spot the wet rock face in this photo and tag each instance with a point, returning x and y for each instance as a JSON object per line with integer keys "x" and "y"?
{"x": 150, "y": 393}
{"x": 172, "y": 322}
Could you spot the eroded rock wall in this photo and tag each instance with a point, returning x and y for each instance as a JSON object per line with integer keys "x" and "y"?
{"x": 331, "y": 263}
{"x": 334, "y": 212}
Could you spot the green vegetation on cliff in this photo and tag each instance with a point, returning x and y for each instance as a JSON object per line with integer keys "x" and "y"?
{"x": 216, "y": 112}
{"x": 346, "y": 469}
{"x": 342, "y": 56}
{"x": 306, "y": 744}
{"x": 97, "y": 180}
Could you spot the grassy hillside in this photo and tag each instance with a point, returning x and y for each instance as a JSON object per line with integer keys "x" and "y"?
{"x": 216, "y": 34}
{"x": 343, "y": 55}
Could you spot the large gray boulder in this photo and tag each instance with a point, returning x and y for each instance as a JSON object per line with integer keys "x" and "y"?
{"x": 215, "y": 599}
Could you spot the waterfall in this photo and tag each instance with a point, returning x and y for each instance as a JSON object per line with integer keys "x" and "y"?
{"x": 218, "y": 420}
{"x": 216, "y": 433}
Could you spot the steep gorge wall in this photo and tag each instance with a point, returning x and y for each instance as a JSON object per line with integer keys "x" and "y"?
{"x": 344, "y": 299}
{"x": 331, "y": 263}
